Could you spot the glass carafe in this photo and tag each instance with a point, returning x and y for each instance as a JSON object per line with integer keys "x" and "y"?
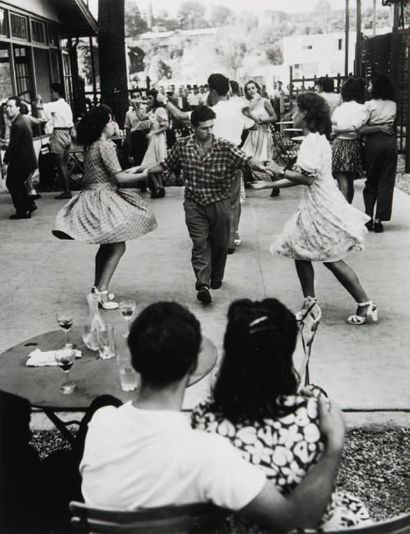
{"x": 95, "y": 324}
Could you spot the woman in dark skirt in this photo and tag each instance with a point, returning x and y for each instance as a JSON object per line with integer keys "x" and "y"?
{"x": 346, "y": 121}
{"x": 380, "y": 152}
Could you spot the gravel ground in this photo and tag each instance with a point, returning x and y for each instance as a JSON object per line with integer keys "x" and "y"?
{"x": 375, "y": 467}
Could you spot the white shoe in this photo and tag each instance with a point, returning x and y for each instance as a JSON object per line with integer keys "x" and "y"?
{"x": 237, "y": 242}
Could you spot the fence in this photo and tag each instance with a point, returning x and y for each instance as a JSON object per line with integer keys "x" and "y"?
{"x": 299, "y": 85}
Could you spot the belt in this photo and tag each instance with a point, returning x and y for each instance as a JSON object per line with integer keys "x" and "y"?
{"x": 62, "y": 127}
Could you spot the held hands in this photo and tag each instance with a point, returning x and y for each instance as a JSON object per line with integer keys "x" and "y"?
{"x": 261, "y": 184}
{"x": 162, "y": 99}
{"x": 135, "y": 170}
{"x": 272, "y": 167}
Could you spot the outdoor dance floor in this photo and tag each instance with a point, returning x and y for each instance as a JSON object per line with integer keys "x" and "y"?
{"x": 360, "y": 367}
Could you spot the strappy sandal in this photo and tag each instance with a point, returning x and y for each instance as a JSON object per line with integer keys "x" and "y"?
{"x": 371, "y": 316}
{"x": 105, "y": 299}
{"x": 308, "y": 302}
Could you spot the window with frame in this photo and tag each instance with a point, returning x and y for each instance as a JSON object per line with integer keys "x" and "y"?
{"x": 19, "y": 26}
{"x": 24, "y": 79}
{"x": 3, "y": 22}
{"x": 38, "y": 31}
{"x": 53, "y": 34}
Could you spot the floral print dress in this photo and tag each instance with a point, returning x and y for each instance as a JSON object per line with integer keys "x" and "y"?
{"x": 285, "y": 449}
{"x": 325, "y": 227}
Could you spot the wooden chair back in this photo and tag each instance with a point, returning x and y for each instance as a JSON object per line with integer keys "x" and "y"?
{"x": 203, "y": 518}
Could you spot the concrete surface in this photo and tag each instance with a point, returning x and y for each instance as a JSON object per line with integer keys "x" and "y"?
{"x": 362, "y": 368}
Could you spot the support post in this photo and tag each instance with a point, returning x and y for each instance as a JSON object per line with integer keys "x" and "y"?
{"x": 347, "y": 30}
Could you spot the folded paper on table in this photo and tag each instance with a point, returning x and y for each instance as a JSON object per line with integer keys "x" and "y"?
{"x": 38, "y": 358}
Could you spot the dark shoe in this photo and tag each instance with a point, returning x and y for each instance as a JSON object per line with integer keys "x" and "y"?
{"x": 33, "y": 208}
{"x": 25, "y": 215}
{"x": 64, "y": 196}
{"x": 35, "y": 197}
{"x": 378, "y": 227}
{"x": 204, "y": 295}
{"x": 216, "y": 284}
{"x": 369, "y": 225}
{"x": 231, "y": 250}
{"x": 275, "y": 192}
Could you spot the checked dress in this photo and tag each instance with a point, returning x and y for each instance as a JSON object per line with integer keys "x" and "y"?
{"x": 103, "y": 213}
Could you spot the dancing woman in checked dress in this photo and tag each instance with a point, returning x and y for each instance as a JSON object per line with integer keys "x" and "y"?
{"x": 104, "y": 213}
{"x": 325, "y": 227}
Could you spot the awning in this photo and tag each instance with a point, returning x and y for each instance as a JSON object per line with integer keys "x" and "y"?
{"x": 75, "y": 18}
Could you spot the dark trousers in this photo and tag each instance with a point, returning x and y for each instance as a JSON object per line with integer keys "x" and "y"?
{"x": 381, "y": 164}
{"x": 61, "y": 163}
{"x": 139, "y": 145}
{"x": 17, "y": 188}
{"x": 208, "y": 227}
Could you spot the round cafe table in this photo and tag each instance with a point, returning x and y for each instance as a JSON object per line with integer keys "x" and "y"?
{"x": 92, "y": 376}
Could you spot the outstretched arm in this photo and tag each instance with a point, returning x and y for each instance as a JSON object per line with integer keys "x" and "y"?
{"x": 129, "y": 179}
{"x": 174, "y": 110}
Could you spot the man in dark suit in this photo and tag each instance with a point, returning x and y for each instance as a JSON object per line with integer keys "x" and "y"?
{"x": 21, "y": 160}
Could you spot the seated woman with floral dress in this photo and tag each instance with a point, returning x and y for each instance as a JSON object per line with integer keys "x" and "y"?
{"x": 257, "y": 406}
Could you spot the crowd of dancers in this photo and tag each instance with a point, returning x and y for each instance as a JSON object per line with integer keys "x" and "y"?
{"x": 324, "y": 228}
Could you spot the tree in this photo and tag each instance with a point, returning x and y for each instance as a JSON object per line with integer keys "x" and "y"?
{"x": 221, "y": 16}
{"x": 192, "y": 15}
{"x": 134, "y": 23}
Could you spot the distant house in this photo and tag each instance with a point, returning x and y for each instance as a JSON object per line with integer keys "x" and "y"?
{"x": 38, "y": 47}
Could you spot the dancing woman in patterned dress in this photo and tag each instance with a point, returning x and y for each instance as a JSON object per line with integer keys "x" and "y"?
{"x": 104, "y": 213}
{"x": 325, "y": 227}
{"x": 257, "y": 406}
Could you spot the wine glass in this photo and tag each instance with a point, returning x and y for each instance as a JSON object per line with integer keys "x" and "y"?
{"x": 65, "y": 359}
{"x": 65, "y": 322}
{"x": 127, "y": 308}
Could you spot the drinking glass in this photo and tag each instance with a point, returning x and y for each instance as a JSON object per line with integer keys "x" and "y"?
{"x": 127, "y": 308}
{"x": 128, "y": 376}
{"x": 65, "y": 359}
{"x": 106, "y": 343}
{"x": 65, "y": 322}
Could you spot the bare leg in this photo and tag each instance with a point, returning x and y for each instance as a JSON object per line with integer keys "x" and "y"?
{"x": 106, "y": 261}
{"x": 306, "y": 276}
{"x": 346, "y": 185}
{"x": 349, "y": 280}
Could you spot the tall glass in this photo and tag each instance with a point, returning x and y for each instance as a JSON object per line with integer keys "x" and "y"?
{"x": 65, "y": 359}
{"x": 65, "y": 322}
{"x": 127, "y": 309}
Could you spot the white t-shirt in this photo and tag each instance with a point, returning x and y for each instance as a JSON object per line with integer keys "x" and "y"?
{"x": 144, "y": 458}
{"x": 59, "y": 113}
{"x": 381, "y": 111}
{"x": 229, "y": 122}
{"x": 349, "y": 115}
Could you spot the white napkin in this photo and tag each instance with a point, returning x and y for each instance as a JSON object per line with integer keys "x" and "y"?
{"x": 38, "y": 358}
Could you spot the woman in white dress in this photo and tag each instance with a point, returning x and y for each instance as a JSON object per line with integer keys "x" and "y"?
{"x": 259, "y": 143}
{"x": 325, "y": 227}
{"x": 157, "y": 142}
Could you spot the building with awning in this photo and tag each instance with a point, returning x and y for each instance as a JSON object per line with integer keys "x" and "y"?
{"x": 38, "y": 40}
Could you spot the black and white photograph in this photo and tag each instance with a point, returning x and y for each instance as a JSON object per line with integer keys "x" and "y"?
{"x": 205, "y": 252}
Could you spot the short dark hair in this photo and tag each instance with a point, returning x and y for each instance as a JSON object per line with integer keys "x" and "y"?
{"x": 164, "y": 342}
{"x": 257, "y": 368}
{"x": 91, "y": 126}
{"x": 219, "y": 83}
{"x": 326, "y": 83}
{"x": 16, "y": 99}
{"x": 353, "y": 89}
{"x": 234, "y": 86}
{"x": 201, "y": 114}
{"x": 258, "y": 87}
{"x": 317, "y": 116}
{"x": 57, "y": 88}
{"x": 382, "y": 88}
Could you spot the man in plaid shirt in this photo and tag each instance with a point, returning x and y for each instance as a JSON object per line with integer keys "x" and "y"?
{"x": 208, "y": 165}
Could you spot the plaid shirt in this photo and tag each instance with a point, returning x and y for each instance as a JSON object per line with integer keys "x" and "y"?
{"x": 207, "y": 178}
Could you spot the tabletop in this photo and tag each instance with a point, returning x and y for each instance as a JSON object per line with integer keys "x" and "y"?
{"x": 93, "y": 376}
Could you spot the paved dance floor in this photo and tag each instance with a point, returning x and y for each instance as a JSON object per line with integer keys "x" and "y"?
{"x": 362, "y": 368}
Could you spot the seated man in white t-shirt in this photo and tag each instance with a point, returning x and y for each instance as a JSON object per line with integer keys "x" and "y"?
{"x": 145, "y": 454}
